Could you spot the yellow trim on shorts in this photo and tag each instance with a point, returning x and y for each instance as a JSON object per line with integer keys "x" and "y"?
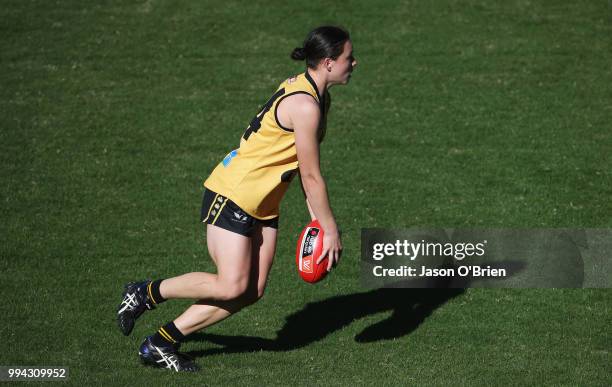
{"x": 219, "y": 211}
{"x": 210, "y": 208}
{"x": 166, "y": 335}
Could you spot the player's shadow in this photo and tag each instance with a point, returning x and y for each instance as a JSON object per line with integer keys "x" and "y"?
{"x": 408, "y": 307}
{"x": 410, "y": 303}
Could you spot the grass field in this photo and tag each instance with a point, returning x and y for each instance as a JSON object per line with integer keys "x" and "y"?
{"x": 459, "y": 114}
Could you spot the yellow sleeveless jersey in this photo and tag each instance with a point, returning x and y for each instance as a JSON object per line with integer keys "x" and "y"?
{"x": 257, "y": 174}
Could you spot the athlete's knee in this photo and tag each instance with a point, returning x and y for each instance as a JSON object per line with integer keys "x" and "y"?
{"x": 232, "y": 291}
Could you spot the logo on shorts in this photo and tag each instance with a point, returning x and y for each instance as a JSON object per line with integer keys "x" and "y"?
{"x": 238, "y": 217}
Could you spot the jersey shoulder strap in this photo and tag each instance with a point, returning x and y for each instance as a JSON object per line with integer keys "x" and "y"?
{"x": 299, "y": 84}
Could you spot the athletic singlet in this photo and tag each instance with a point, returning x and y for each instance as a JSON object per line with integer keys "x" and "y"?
{"x": 257, "y": 174}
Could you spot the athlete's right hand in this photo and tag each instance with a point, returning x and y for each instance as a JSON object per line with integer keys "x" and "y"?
{"x": 332, "y": 247}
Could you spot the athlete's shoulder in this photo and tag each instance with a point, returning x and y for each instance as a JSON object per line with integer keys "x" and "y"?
{"x": 289, "y": 82}
{"x": 304, "y": 104}
{"x": 292, "y": 79}
{"x": 299, "y": 107}
{"x": 299, "y": 94}
{"x": 299, "y": 83}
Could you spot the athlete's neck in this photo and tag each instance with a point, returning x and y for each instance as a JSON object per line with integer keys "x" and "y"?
{"x": 319, "y": 80}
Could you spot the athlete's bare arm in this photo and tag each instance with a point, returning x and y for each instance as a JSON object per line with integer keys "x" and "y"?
{"x": 304, "y": 115}
{"x": 310, "y": 211}
{"x": 312, "y": 215}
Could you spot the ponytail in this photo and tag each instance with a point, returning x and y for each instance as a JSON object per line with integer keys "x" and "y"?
{"x": 298, "y": 54}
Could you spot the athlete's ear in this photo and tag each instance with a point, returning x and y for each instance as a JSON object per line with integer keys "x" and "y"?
{"x": 328, "y": 63}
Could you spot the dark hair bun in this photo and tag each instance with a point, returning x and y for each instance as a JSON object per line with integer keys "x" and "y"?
{"x": 298, "y": 54}
{"x": 322, "y": 42}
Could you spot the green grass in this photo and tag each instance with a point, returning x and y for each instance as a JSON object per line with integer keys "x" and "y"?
{"x": 459, "y": 114}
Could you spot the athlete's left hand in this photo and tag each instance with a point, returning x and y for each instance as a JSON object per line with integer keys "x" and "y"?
{"x": 332, "y": 248}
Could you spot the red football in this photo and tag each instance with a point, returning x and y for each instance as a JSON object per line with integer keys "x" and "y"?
{"x": 309, "y": 247}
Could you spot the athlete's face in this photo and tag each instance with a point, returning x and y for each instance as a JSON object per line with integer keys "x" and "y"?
{"x": 342, "y": 67}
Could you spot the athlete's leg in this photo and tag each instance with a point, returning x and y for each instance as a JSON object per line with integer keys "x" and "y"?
{"x": 264, "y": 248}
{"x": 231, "y": 253}
{"x": 207, "y": 312}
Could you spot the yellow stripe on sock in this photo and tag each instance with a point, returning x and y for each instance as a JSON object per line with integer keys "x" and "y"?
{"x": 150, "y": 294}
{"x": 219, "y": 212}
{"x": 166, "y": 335}
{"x": 210, "y": 208}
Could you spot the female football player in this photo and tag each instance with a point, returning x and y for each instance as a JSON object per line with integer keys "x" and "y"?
{"x": 241, "y": 203}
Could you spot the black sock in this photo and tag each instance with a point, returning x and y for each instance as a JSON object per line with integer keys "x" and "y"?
{"x": 153, "y": 292}
{"x": 167, "y": 335}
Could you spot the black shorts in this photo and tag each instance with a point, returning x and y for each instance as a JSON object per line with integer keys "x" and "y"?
{"x": 222, "y": 212}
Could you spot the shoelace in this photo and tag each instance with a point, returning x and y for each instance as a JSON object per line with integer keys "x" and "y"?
{"x": 129, "y": 301}
{"x": 171, "y": 360}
